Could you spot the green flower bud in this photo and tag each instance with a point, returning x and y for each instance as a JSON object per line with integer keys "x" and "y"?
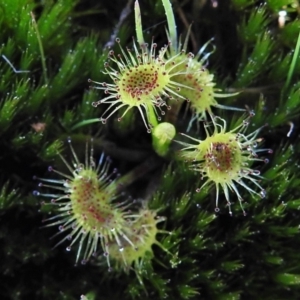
{"x": 162, "y": 136}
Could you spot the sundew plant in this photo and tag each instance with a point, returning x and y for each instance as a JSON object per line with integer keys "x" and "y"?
{"x": 149, "y": 149}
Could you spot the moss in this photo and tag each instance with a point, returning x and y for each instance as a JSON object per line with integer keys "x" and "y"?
{"x": 45, "y": 97}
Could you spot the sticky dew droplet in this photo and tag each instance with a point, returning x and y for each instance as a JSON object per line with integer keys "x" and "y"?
{"x": 35, "y": 193}
{"x": 263, "y": 193}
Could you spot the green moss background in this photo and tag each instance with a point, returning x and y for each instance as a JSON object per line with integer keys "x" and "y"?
{"x": 62, "y": 44}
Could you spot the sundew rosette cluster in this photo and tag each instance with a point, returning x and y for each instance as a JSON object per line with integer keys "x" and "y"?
{"x": 90, "y": 217}
{"x": 224, "y": 158}
{"x": 151, "y": 80}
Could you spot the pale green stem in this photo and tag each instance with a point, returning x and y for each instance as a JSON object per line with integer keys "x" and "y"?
{"x": 43, "y": 59}
{"x": 293, "y": 63}
{"x": 171, "y": 25}
{"x": 151, "y": 116}
{"x": 138, "y": 23}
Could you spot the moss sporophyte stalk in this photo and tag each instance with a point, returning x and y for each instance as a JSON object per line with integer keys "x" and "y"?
{"x": 225, "y": 158}
{"x": 88, "y": 213}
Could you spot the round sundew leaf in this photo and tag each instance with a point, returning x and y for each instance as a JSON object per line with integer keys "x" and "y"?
{"x": 143, "y": 236}
{"x": 225, "y": 158}
{"x": 222, "y": 157}
{"x": 142, "y": 79}
{"x": 86, "y": 208}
